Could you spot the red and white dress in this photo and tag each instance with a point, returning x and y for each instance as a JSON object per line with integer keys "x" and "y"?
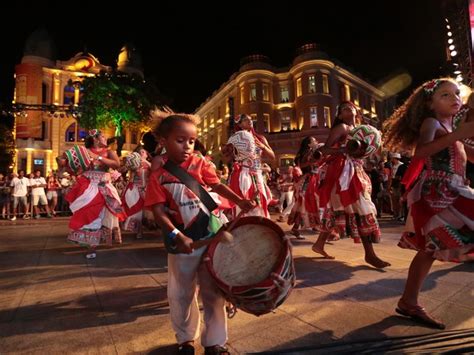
{"x": 305, "y": 211}
{"x": 345, "y": 195}
{"x": 246, "y": 178}
{"x": 133, "y": 198}
{"x": 441, "y": 217}
{"x": 96, "y": 206}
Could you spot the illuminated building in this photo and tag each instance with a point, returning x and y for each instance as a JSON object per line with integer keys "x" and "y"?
{"x": 41, "y": 81}
{"x": 288, "y": 104}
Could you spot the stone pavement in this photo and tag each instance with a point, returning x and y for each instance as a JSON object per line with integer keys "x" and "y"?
{"x": 53, "y": 300}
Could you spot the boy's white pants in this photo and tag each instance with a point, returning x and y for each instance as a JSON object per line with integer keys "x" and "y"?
{"x": 184, "y": 271}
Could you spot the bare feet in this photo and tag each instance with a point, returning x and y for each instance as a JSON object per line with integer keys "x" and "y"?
{"x": 376, "y": 262}
{"x": 321, "y": 251}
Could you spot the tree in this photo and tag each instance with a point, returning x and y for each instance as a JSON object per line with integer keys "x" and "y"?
{"x": 116, "y": 99}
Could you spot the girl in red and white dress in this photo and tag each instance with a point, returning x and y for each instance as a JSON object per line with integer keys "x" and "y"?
{"x": 93, "y": 200}
{"x": 305, "y": 212}
{"x": 133, "y": 197}
{"x": 246, "y": 178}
{"x": 440, "y": 224}
{"x": 345, "y": 192}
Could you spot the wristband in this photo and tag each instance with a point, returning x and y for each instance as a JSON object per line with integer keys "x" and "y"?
{"x": 173, "y": 234}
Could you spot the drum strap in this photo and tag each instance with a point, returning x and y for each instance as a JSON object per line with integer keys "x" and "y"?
{"x": 191, "y": 183}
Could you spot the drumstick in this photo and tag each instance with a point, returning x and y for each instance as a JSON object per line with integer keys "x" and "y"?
{"x": 221, "y": 236}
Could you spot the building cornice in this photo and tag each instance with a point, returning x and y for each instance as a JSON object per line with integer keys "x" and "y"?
{"x": 66, "y": 72}
{"x": 254, "y": 72}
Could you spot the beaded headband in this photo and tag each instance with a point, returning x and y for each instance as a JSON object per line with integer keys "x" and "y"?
{"x": 431, "y": 86}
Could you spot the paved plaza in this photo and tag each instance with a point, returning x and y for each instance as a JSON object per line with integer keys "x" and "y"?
{"x": 53, "y": 300}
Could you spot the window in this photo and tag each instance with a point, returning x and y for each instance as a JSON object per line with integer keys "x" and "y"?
{"x": 285, "y": 122}
{"x": 254, "y": 120}
{"x": 219, "y": 136}
{"x": 266, "y": 122}
{"x": 325, "y": 84}
{"x": 71, "y": 133}
{"x": 265, "y": 92}
{"x": 284, "y": 94}
{"x": 212, "y": 120}
{"x": 355, "y": 97}
{"x": 312, "y": 84}
{"x": 44, "y": 93}
{"x": 327, "y": 116}
{"x": 372, "y": 105}
{"x": 242, "y": 99}
{"x": 301, "y": 121}
{"x": 253, "y": 92}
{"x": 347, "y": 92}
{"x": 313, "y": 116}
{"x": 299, "y": 89}
{"x": 75, "y": 135}
{"x": 68, "y": 95}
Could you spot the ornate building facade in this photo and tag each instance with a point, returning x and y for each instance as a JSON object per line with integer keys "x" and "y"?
{"x": 42, "y": 82}
{"x": 288, "y": 104}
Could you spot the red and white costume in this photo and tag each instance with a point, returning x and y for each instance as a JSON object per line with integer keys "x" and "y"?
{"x": 95, "y": 205}
{"x": 133, "y": 198}
{"x": 246, "y": 178}
{"x": 345, "y": 195}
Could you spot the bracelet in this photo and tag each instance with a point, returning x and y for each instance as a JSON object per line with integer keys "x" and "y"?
{"x": 173, "y": 234}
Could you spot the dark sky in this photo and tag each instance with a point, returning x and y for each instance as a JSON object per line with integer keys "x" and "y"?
{"x": 184, "y": 52}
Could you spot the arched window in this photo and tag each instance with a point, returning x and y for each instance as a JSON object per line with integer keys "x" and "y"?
{"x": 74, "y": 134}
{"x": 68, "y": 95}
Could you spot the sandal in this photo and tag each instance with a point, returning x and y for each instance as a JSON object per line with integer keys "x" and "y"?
{"x": 216, "y": 350}
{"x": 418, "y": 314}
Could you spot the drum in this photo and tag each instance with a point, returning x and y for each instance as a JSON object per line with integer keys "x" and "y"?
{"x": 256, "y": 270}
{"x": 78, "y": 159}
{"x": 133, "y": 161}
{"x": 364, "y": 141}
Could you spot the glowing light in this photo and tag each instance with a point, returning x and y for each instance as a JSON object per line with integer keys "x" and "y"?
{"x": 451, "y": 47}
{"x": 459, "y": 78}
{"x": 457, "y": 72}
{"x": 448, "y": 27}
{"x": 454, "y": 53}
{"x": 450, "y": 34}
{"x": 450, "y": 41}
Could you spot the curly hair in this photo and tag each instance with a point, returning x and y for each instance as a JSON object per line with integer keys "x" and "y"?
{"x": 402, "y": 128}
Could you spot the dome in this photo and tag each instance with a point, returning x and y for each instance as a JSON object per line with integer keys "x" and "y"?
{"x": 40, "y": 44}
{"x": 309, "y": 51}
{"x": 255, "y": 61}
{"x": 130, "y": 60}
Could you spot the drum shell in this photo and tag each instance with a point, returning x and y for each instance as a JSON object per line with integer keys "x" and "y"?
{"x": 78, "y": 159}
{"x": 264, "y": 296}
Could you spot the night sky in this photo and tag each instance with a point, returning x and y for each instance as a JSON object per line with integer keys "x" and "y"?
{"x": 184, "y": 54}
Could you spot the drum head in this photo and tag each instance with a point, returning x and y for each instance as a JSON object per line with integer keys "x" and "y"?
{"x": 251, "y": 256}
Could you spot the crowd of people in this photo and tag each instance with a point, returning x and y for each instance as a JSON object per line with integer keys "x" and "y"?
{"x": 332, "y": 189}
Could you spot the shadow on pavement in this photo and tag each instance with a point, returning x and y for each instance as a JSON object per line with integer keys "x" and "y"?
{"x": 103, "y": 308}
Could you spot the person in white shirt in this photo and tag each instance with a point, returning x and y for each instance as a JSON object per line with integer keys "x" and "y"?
{"x": 20, "y": 190}
{"x": 38, "y": 183}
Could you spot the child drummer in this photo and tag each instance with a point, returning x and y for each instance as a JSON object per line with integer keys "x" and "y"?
{"x": 174, "y": 205}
